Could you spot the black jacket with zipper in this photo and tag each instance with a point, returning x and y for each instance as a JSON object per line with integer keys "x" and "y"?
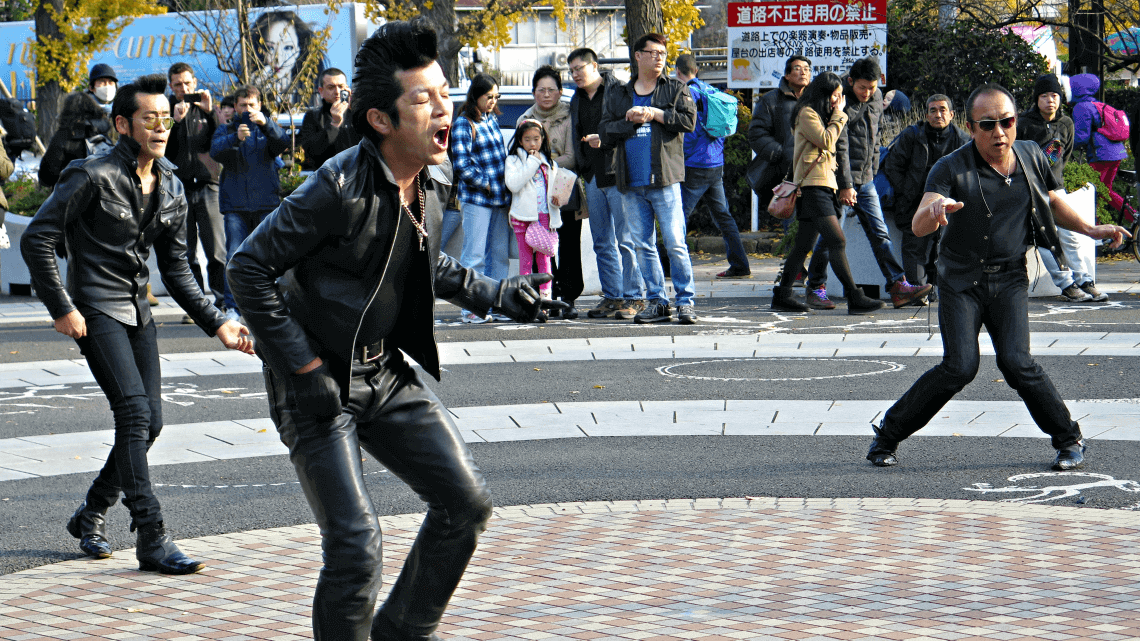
{"x": 667, "y": 139}
{"x": 96, "y": 210}
{"x": 307, "y": 276}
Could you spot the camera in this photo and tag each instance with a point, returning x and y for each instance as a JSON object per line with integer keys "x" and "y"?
{"x": 344, "y": 95}
{"x": 192, "y": 97}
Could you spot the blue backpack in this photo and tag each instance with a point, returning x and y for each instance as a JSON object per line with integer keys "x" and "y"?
{"x": 719, "y": 118}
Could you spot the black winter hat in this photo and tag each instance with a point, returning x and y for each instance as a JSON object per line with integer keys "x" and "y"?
{"x": 101, "y": 71}
{"x": 1046, "y": 84}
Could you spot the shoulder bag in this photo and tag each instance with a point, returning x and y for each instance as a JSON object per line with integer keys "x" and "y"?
{"x": 784, "y": 195}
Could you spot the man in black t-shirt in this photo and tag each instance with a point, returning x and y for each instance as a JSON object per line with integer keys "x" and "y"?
{"x": 994, "y": 197}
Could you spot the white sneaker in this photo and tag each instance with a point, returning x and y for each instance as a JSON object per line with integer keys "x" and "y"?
{"x": 500, "y": 318}
{"x": 473, "y": 319}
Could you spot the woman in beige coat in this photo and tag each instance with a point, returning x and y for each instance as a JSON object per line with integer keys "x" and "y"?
{"x": 554, "y": 115}
{"x": 817, "y": 209}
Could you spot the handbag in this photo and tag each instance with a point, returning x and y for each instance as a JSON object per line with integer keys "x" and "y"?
{"x": 784, "y": 195}
{"x": 541, "y": 239}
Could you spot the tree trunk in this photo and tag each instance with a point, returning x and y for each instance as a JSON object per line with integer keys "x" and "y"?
{"x": 442, "y": 17}
{"x": 642, "y": 17}
{"x": 49, "y": 95}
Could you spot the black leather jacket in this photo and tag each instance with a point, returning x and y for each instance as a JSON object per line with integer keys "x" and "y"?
{"x": 325, "y": 243}
{"x": 961, "y": 253}
{"x": 96, "y": 211}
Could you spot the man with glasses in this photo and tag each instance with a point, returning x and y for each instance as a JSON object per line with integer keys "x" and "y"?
{"x": 109, "y": 210}
{"x": 645, "y": 121}
{"x": 993, "y": 197}
{"x": 623, "y": 292}
{"x": 248, "y": 147}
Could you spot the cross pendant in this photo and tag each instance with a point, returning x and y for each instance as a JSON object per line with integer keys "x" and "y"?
{"x": 1008, "y": 180}
{"x": 421, "y": 241}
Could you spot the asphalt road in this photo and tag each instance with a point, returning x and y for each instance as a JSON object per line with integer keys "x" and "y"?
{"x": 225, "y": 496}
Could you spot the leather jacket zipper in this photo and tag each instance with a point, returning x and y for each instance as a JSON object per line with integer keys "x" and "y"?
{"x": 376, "y": 288}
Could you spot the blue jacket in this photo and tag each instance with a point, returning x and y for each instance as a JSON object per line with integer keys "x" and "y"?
{"x": 1086, "y": 121}
{"x": 250, "y": 181}
{"x": 701, "y": 149}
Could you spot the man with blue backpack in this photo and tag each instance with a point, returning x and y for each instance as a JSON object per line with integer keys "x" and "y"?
{"x": 704, "y": 162}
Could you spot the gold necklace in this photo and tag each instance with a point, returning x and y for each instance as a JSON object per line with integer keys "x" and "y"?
{"x": 421, "y": 230}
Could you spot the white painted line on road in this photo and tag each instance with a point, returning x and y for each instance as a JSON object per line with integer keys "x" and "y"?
{"x": 56, "y": 454}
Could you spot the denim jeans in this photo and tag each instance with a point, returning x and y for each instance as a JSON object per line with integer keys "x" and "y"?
{"x": 401, "y": 424}
{"x": 918, "y": 253}
{"x": 486, "y": 240}
{"x": 701, "y": 181}
{"x": 124, "y": 361}
{"x": 239, "y": 225}
{"x": 1000, "y": 302}
{"x": 451, "y": 220}
{"x": 871, "y": 217}
{"x": 1077, "y": 272}
{"x": 204, "y": 221}
{"x": 618, "y": 270}
{"x": 643, "y": 206}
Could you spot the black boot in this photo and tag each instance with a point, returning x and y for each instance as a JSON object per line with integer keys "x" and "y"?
{"x": 783, "y": 300}
{"x": 384, "y": 630}
{"x": 860, "y": 303}
{"x": 157, "y": 552}
{"x": 90, "y": 527}
{"x": 882, "y": 451}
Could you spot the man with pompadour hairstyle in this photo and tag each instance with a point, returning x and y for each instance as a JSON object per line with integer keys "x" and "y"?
{"x": 334, "y": 284}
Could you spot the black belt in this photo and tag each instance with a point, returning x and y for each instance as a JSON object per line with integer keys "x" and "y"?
{"x": 993, "y": 268}
{"x": 370, "y": 353}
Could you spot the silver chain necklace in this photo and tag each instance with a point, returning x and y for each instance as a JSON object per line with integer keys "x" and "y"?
{"x": 421, "y": 230}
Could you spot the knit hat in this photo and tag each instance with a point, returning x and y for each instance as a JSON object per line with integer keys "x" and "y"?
{"x": 101, "y": 71}
{"x": 1046, "y": 84}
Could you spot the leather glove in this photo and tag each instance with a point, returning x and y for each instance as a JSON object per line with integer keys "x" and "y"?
{"x": 519, "y": 298}
{"x": 317, "y": 393}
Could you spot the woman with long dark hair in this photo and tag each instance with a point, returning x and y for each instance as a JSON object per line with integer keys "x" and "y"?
{"x": 479, "y": 158}
{"x": 817, "y": 210}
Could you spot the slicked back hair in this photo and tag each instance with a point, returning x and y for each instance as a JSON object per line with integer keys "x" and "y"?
{"x": 126, "y": 98}
{"x": 394, "y": 47}
{"x": 985, "y": 90}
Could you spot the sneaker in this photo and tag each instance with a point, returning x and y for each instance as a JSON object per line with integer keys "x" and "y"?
{"x": 187, "y": 320}
{"x": 733, "y": 273}
{"x": 1074, "y": 294}
{"x": 233, "y": 315}
{"x": 629, "y": 309}
{"x": 1097, "y": 295}
{"x": 903, "y": 293}
{"x": 605, "y": 308}
{"x": 499, "y": 318}
{"x": 654, "y": 313}
{"x": 473, "y": 319}
{"x": 571, "y": 313}
{"x": 817, "y": 299}
{"x": 686, "y": 314}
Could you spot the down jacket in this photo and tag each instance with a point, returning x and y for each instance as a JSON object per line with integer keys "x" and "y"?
{"x": 1086, "y": 121}
{"x": 521, "y": 167}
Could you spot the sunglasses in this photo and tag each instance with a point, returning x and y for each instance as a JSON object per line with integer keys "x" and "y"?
{"x": 150, "y": 123}
{"x": 988, "y": 125}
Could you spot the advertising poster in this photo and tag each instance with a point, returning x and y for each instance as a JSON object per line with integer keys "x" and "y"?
{"x": 151, "y": 44}
{"x": 763, "y": 35}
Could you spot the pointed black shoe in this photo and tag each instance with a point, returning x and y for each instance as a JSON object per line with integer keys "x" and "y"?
{"x": 882, "y": 451}
{"x": 384, "y": 630}
{"x": 157, "y": 552}
{"x": 90, "y": 527}
{"x": 1070, "y": 458}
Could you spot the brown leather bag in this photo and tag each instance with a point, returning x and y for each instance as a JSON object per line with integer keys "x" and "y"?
{"x": 784, "y": 195}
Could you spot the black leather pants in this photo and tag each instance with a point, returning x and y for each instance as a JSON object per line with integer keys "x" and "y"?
{"x": 1000, "y": 302}
{"x": 400, "y": 423}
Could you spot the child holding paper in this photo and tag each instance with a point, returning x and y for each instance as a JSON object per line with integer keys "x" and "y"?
{"x": 530, "y": 176}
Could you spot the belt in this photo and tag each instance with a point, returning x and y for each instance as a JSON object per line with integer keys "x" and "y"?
{"x": 993, "y": 268}
{"x": 370, "y": 353}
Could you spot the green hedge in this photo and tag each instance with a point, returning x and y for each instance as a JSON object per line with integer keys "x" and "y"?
{"x": 25, "y": 195}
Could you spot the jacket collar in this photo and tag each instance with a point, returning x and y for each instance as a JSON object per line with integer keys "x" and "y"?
{"x": 786, "y": 89}
{"x": 429, "y": 175}
{"x": 127, "y": 150}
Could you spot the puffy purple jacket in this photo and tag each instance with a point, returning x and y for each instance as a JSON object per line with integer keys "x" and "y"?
{"x": 1086, "y": 121}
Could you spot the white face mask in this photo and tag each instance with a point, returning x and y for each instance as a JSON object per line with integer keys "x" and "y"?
{"x": 106, "y": 93}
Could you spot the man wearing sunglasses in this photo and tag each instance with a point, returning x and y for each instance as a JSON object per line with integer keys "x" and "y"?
{"x": 994, "y": 197}
{"x": 110, "y": 209}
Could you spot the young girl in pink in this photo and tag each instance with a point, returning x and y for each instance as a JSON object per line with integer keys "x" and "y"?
{"x": 529, "y": 173}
